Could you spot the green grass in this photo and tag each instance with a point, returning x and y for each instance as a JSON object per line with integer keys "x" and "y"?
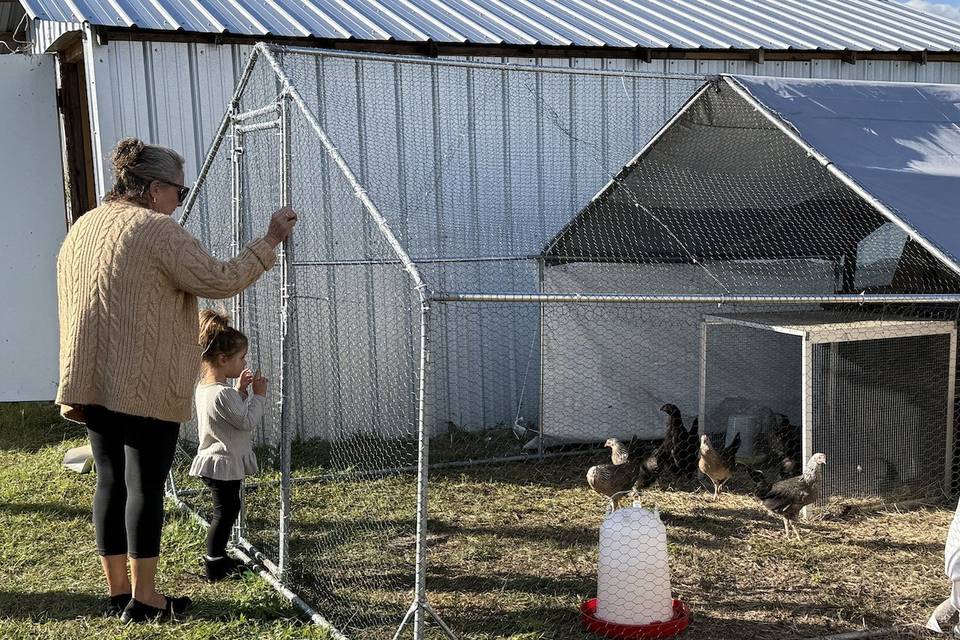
{"x": 513, "y": 552}
{"x": 51, "y": 585}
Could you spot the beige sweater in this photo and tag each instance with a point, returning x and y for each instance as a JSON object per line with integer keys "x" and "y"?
{"x": 128, "y": 280}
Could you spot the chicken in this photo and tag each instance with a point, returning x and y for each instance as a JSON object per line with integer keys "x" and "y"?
{"x": 679, "y": 449}
{"x": 636, "y": 473}
{"x": 786, "y": 441}
{"x": 787, "y": 497}
{"x": 618, "y": 451}
{"x": 718, "y": 465}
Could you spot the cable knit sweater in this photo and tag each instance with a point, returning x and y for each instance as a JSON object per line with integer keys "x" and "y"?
{"x": 127, "y": 281}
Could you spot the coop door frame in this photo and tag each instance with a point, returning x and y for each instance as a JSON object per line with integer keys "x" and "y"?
{"x": 277, "y": 124}
{"x": 909, "y": 330}
{"x": 834, "y": 335}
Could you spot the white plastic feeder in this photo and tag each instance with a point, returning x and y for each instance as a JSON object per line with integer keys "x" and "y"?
{"x": 633, "y": 577}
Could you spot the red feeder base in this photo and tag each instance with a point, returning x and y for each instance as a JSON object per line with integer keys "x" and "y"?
{"x": 662, "y": 629}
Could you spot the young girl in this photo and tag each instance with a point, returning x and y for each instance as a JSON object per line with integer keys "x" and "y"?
{"x": 225, "y": 421}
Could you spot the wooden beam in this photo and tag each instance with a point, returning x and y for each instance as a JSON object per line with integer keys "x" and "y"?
{"x": 850, "y": 57}
{"x": 78, "y": 143}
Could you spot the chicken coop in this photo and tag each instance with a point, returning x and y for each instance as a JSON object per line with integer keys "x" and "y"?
{"x": 875, "y": 395}
{"x": 499, "y": 267}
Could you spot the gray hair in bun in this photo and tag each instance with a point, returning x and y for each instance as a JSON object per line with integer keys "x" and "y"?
{"x": 136, "y": 165}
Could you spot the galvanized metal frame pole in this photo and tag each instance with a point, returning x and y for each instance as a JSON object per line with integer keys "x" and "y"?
{"x": 220, "y": 135}
{"x": 423, "y": 460}
{"x": 577, "y": 298}
{"x": 702, "y": 408}
{"x": 290, "y": 92}
{"x": 286, "y": 294}
{"x": 421, "y": 606}
{"x": 540, "y": 385}
{"x": 951, "y": 409}
{"x": 359, "y": 191}
{"x": 236, "y": 216}
{"x": 204, "y": 171}
{"x": 468, "y": 64}
{"x": 256, "y": 561}
{"x": 806, "y": 376}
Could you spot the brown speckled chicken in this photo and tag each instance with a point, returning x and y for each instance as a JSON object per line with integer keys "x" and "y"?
{"x": 787, "y": 497}
{"x": 618, "y": 451}
{"x": 636, "y": 473}
{"x": 718, "y": 465}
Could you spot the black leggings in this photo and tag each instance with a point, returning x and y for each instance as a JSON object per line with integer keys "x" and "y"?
{"x": 226, "y": 509}
{"x": 133, "y": 457}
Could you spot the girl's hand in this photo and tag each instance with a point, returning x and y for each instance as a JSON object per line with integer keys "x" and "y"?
{"x": 259, "y": 384}
{"x": 246, "y": 377}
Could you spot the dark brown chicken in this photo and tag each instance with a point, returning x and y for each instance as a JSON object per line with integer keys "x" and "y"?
{"x": 638, "y": 472}
{"x": 786, "y": 445}
{"x": 718, "y": 465}
{"x": 788, "y": 497}
{"x": 680, "y": 447}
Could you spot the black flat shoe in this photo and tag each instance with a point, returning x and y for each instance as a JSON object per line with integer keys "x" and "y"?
{"x": 222, "y": 568}
{"x": 137, "y": 611}
{"x": 116, "y": 604}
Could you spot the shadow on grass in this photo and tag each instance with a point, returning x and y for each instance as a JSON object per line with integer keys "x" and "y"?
{"x": 49, "y": 605}
{"x": 32, "y": 426}
{"x": 68, "y": 605}
{"x": 53, "y": 509}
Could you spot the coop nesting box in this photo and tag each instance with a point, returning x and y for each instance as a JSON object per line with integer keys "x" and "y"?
{"x": 876, "y": 395}
{"x": 633, "y": 577}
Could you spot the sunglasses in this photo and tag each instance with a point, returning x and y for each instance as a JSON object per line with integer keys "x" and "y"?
{"x": 182, "y": 191}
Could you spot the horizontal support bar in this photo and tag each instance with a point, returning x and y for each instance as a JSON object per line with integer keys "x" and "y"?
{"x": 465, "y": 260}
{"x": 389, "y": 471}
{"x": 459, "y": 464}
{"x": 256, "y": 113}
{"x": 260, "y": 126}
{"x": 486, "y": 66}
{"x": 576, "y": 298}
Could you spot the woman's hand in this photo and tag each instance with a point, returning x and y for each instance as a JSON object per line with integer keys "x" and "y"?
{"x": 281, "y": 224}
{"x": 260, "y": 384}
{"x": 243, "y": 382}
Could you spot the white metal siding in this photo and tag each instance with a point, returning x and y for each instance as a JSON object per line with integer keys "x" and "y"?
{"x": 175, "y": 94}
{"x": 34, "y": 220}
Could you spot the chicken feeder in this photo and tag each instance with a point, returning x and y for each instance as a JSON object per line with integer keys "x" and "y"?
{"x": 633, "y": 579}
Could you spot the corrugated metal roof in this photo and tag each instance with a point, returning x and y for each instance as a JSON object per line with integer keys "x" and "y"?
{"x": 857, "y": 25}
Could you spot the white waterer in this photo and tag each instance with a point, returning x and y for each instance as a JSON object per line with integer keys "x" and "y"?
{"x": 633, "y": 577}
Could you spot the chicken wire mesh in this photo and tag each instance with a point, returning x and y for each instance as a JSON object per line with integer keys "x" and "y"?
{"x": 566, "y": 286}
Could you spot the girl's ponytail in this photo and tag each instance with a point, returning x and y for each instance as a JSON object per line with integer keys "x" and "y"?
{"x": 218, "y": 338}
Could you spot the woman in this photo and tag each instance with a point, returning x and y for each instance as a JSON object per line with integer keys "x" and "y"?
{"x": 128, "y": 277}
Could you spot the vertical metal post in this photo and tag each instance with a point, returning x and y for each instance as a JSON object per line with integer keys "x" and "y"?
{"x": 423, "y": 465}
{"x": 236, "y": 215}
{"x": 540, "y": 268}
{"x": 702, "y": 409}
{"x": 286, "y": 292}
{"x": 951, "y": 409}
{"x": 807, "y": 404}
